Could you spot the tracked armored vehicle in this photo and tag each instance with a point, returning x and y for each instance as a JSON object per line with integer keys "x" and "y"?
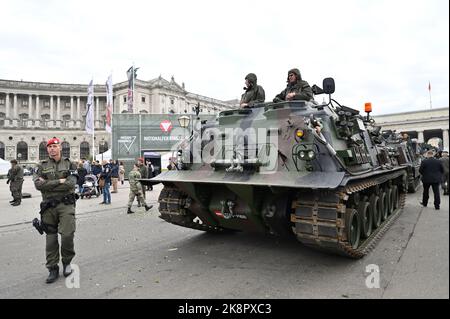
{"x": 322, "y": 173}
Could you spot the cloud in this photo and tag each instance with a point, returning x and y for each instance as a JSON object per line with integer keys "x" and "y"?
{"x": 384, "y": 51}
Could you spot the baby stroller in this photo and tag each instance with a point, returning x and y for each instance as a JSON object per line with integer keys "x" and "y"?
{"x": 89, "y": 187}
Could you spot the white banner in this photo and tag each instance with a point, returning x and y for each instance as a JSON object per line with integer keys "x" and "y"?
{"x": 109, "y": 103}
{"x": 90, "y": 109}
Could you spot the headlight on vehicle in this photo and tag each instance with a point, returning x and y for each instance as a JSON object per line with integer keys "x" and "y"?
{"x": 311, "y": 155}
{"x": 302, "y": 155}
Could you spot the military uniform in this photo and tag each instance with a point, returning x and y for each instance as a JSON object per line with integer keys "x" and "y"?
{"x": 301, "y": 89}
{"x": 144, "y": 173}
{"x": 135, "y": 188}
{"x": 253, "y": 94}
{"x": 15, "y": 178}
{"x": 60, "y": 218}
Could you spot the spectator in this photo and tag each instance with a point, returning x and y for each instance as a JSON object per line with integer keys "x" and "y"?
{"x": 445, "y": 180}
{"x": 431, "y": 170}
{"x": 114, "y": 174}
{"x": 106, "y": 176}
{"x": 121, "y": 172}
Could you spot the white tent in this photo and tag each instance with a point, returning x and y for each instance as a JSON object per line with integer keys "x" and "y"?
{"x": 106, "y": 156}
{"x": 4, "y": 167}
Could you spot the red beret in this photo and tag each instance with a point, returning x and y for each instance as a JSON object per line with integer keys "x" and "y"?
{"x": 53, "y": 141}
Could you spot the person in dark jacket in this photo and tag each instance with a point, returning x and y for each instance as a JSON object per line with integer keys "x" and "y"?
{"x": 97, "y": 170}
{"x": 445, "y": 164}
{"x": 296, "y": 89}
{"x": 106, "y": 175}
{"x": 431, "y": 170}
{"x": 81, "y": 175}
{"x": 254, "y": 93}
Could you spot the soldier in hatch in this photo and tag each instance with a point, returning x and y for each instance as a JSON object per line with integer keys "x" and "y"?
{"x": 296, "y": 89}
{"x": 254, "y": 93}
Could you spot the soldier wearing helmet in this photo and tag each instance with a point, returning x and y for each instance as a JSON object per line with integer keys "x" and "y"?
{"x": 254, "y": 93}
{"x": 296, "y": 89}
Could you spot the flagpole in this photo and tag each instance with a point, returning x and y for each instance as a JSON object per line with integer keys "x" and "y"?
{"x": 132, "y": 74}
{"x": 429, "y": 91}
{"x": 93, "y": 117}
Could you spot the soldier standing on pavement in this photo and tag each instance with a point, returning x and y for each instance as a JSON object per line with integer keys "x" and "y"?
{"x": 144, "y": 173}
{"x": 56, "y": 177}
{"x": 15, "y": 181}
{"x": 136, "y": 189}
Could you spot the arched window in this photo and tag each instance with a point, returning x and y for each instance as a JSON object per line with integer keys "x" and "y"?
{"x": 65, "y": 149}
{"x": 84, "y": 150}
{"x": 43, "y": 151}
{"x": 2, "y": 150}
{"x": 22, "y": 151}
{"x": 102, "y": 147}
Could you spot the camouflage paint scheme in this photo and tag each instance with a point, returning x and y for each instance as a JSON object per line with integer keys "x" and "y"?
{"x": 265, "y": 182}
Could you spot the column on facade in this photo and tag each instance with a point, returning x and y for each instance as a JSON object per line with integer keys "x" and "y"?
{"x": 420, "y": 136}
{"x": 38, "y": 113}
{"x": 445, "y": 139}
{"x": 97, "y": 111}
{"x": 71, "y": 108}
{"x": 51, "y": 107}
{"x": 7, "y": 106}
{"x": 78, "y": 108}
{"x": 15, "y": 108}
{"x": 58, "y": 108}
{"x": 30, "y": 106}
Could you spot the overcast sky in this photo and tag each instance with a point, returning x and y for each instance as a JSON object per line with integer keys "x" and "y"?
{"x": 385, "y": 52}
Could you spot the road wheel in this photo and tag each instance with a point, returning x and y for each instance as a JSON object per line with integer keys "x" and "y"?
{"x": 353, "y": 227}
{"x": 374, "y": 208}
{"x": 366, "y": 217}
{"x": 390, "y": 200}
{"x": 383, "y": 205}
{"x": 395, "y": 196}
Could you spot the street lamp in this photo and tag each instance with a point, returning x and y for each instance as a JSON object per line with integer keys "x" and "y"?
{"x": 184, "y": 121}
{"x": 19, "y": 156}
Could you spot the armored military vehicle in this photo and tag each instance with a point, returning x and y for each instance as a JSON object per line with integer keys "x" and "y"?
{"x": 408, "y": 152}
{"x": 322, "y": 173}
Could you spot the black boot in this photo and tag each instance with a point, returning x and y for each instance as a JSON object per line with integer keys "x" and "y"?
{"x": 67, "y": 270}
{"x": 53, "y": 274}
{"x": 147, "y": 208}
{"x": 129, "y": 211}
{"x": 12, "y": 201}
{"x": 16, "y": 203}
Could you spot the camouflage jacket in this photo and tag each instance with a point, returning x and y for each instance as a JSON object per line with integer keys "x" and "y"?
{"x": 301, "y": 88}
{"x": 254, "y": 95}
{"x": 15, "y": 174}
{"x": 47, "y": 176}
{"x": 133, "y": 177}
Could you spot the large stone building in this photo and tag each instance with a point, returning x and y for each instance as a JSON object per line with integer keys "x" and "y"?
{"x": 33, "y": 112}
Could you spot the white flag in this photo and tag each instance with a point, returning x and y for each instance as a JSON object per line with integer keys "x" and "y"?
{"x": 109, "y": 103}
{"x": 90, "y": 109}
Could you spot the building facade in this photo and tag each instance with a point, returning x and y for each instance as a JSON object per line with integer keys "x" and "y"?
{"x": 424, "y": 125}
{"x": 33, "y": 112}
